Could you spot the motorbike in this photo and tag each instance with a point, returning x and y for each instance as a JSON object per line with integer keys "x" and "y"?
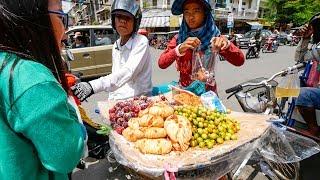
{"x": 271, "y": 45}
{"x": 252, "y": 49}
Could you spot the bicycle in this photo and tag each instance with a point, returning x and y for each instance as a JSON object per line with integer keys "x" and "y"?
{"x": 258, "y": 96}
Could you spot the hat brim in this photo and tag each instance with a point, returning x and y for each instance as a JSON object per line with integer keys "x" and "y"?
{"x": 122, "y": 12}
{"x": 177, "y": 6}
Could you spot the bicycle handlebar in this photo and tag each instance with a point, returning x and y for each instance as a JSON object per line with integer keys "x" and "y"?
{"x": 265, "y": 82}
{"x": 234, "y": 89}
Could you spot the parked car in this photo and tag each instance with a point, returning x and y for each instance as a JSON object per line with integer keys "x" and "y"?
{"x": 244, "y": 41}
{"x": 94, "y": 57}
{"x": 283, "y": 38}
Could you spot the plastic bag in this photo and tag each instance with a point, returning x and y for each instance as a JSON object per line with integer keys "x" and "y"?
{"x": 289, "y": 85}
{"x": 197, "y": 87}
{"x": 282, "y": 146}
{"x": 210, "y": 100}
{"x": 314, "y": 75}
{"x": 203, "y": 66}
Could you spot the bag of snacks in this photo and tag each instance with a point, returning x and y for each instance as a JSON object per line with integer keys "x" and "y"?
{"x": 203, "y": 66}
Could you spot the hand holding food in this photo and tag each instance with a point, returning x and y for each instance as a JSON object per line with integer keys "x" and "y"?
{"x": 219, "y": 43}
{"x": 189, "y": 43}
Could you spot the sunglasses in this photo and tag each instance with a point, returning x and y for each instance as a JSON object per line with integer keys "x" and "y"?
{"x": 63, "y": 16}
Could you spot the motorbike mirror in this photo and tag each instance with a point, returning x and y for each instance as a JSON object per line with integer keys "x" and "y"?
{"x": 69, "y": 54}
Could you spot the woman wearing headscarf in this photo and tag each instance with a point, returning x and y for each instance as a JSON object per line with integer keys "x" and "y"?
{"x": 197, "y": 31}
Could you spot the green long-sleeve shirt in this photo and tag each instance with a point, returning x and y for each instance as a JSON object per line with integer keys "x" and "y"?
{"x": 50, "y": 137}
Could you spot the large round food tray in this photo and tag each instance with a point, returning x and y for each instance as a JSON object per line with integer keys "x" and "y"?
{"x": 195, "y": 162}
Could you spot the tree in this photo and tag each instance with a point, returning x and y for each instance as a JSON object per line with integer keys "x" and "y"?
{"x": 297, "y": 12}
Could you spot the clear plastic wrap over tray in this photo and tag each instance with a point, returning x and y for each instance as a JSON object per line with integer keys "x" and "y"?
{"x": 195, "y": 162}
{"x": 283, "y": 146}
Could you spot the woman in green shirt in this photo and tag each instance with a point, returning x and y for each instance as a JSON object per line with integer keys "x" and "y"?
{"x": 40, "y": 136}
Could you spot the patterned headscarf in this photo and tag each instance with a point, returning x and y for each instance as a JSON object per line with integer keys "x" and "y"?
{"x": 205, "y": 33}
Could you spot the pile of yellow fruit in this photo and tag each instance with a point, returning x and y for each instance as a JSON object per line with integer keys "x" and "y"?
{"x": 209, "y": 127}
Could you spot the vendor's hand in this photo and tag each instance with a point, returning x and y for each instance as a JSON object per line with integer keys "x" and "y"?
{"x": 82, "y": 90}
{"x": 189, "y": 43}
{"x": 219, "y": 43}
{"x": 306, "y": 31}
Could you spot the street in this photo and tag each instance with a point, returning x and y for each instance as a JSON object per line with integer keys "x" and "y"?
{"x": 227, "y": 76}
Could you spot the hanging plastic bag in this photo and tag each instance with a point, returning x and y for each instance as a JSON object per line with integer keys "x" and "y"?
{"x": 289, "y": 85}
{"x": 314, "y": 75}
{"x": 203, "y": 66}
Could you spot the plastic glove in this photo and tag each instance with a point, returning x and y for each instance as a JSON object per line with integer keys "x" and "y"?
{"x": 82, "y": 90}
{"x": 197, "y": 87}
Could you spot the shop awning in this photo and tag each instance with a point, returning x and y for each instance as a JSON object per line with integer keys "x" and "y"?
{"x": 159, "y": 18}
{"x": 255, "y": 25}
{"x": 155, "y": 22}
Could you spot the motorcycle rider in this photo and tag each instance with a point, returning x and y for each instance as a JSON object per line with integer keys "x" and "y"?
{"x": 131, "y": 64}
{"x": 233, "y": 38}
{"x": 258, "y": 39}
{"x": 309, "y": 98}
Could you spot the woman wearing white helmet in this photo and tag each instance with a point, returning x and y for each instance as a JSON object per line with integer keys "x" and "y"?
{"x": 131, "y": 64}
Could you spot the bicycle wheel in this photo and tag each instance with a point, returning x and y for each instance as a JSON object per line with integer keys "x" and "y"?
{"x": 284, "y": 171}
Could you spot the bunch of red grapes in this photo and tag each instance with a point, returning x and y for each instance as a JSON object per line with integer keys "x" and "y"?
{"x": 121, "y": 113}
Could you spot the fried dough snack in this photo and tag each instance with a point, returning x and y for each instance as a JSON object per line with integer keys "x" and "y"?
{"x": 154, "y": 146}
{"x": 154, "y": 132}
{"x": 187, "y": 99}
{"x": 149, "y": 120}
{"x": 134, "y": 123}
{"x": 132, "y": 134}
{"x": 159, "y": 109}
{"x": 179, "y": 131}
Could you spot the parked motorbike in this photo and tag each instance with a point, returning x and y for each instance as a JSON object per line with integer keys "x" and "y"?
{"x": 252, "y": 50}
{"x": 271, "y": 45}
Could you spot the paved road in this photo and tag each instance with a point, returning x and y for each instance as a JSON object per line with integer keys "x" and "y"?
{"x": 227, "y": 76}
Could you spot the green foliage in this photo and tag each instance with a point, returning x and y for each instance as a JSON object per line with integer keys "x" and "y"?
{"x": 297, "y": 12}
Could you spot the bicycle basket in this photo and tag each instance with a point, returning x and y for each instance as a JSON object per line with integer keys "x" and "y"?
{"x": 254, "y": 99}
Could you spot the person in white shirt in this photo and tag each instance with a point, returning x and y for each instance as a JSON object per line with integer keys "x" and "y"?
{"x": 131, "y": 64}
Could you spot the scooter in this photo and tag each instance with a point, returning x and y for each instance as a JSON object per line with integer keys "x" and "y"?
{"x": 271, "y": 45}
{"x": 252, "y": 50}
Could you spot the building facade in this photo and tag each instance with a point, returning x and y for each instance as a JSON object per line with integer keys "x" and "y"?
{"x": 157, "y": 14}
{"x": 90, "y": 12}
